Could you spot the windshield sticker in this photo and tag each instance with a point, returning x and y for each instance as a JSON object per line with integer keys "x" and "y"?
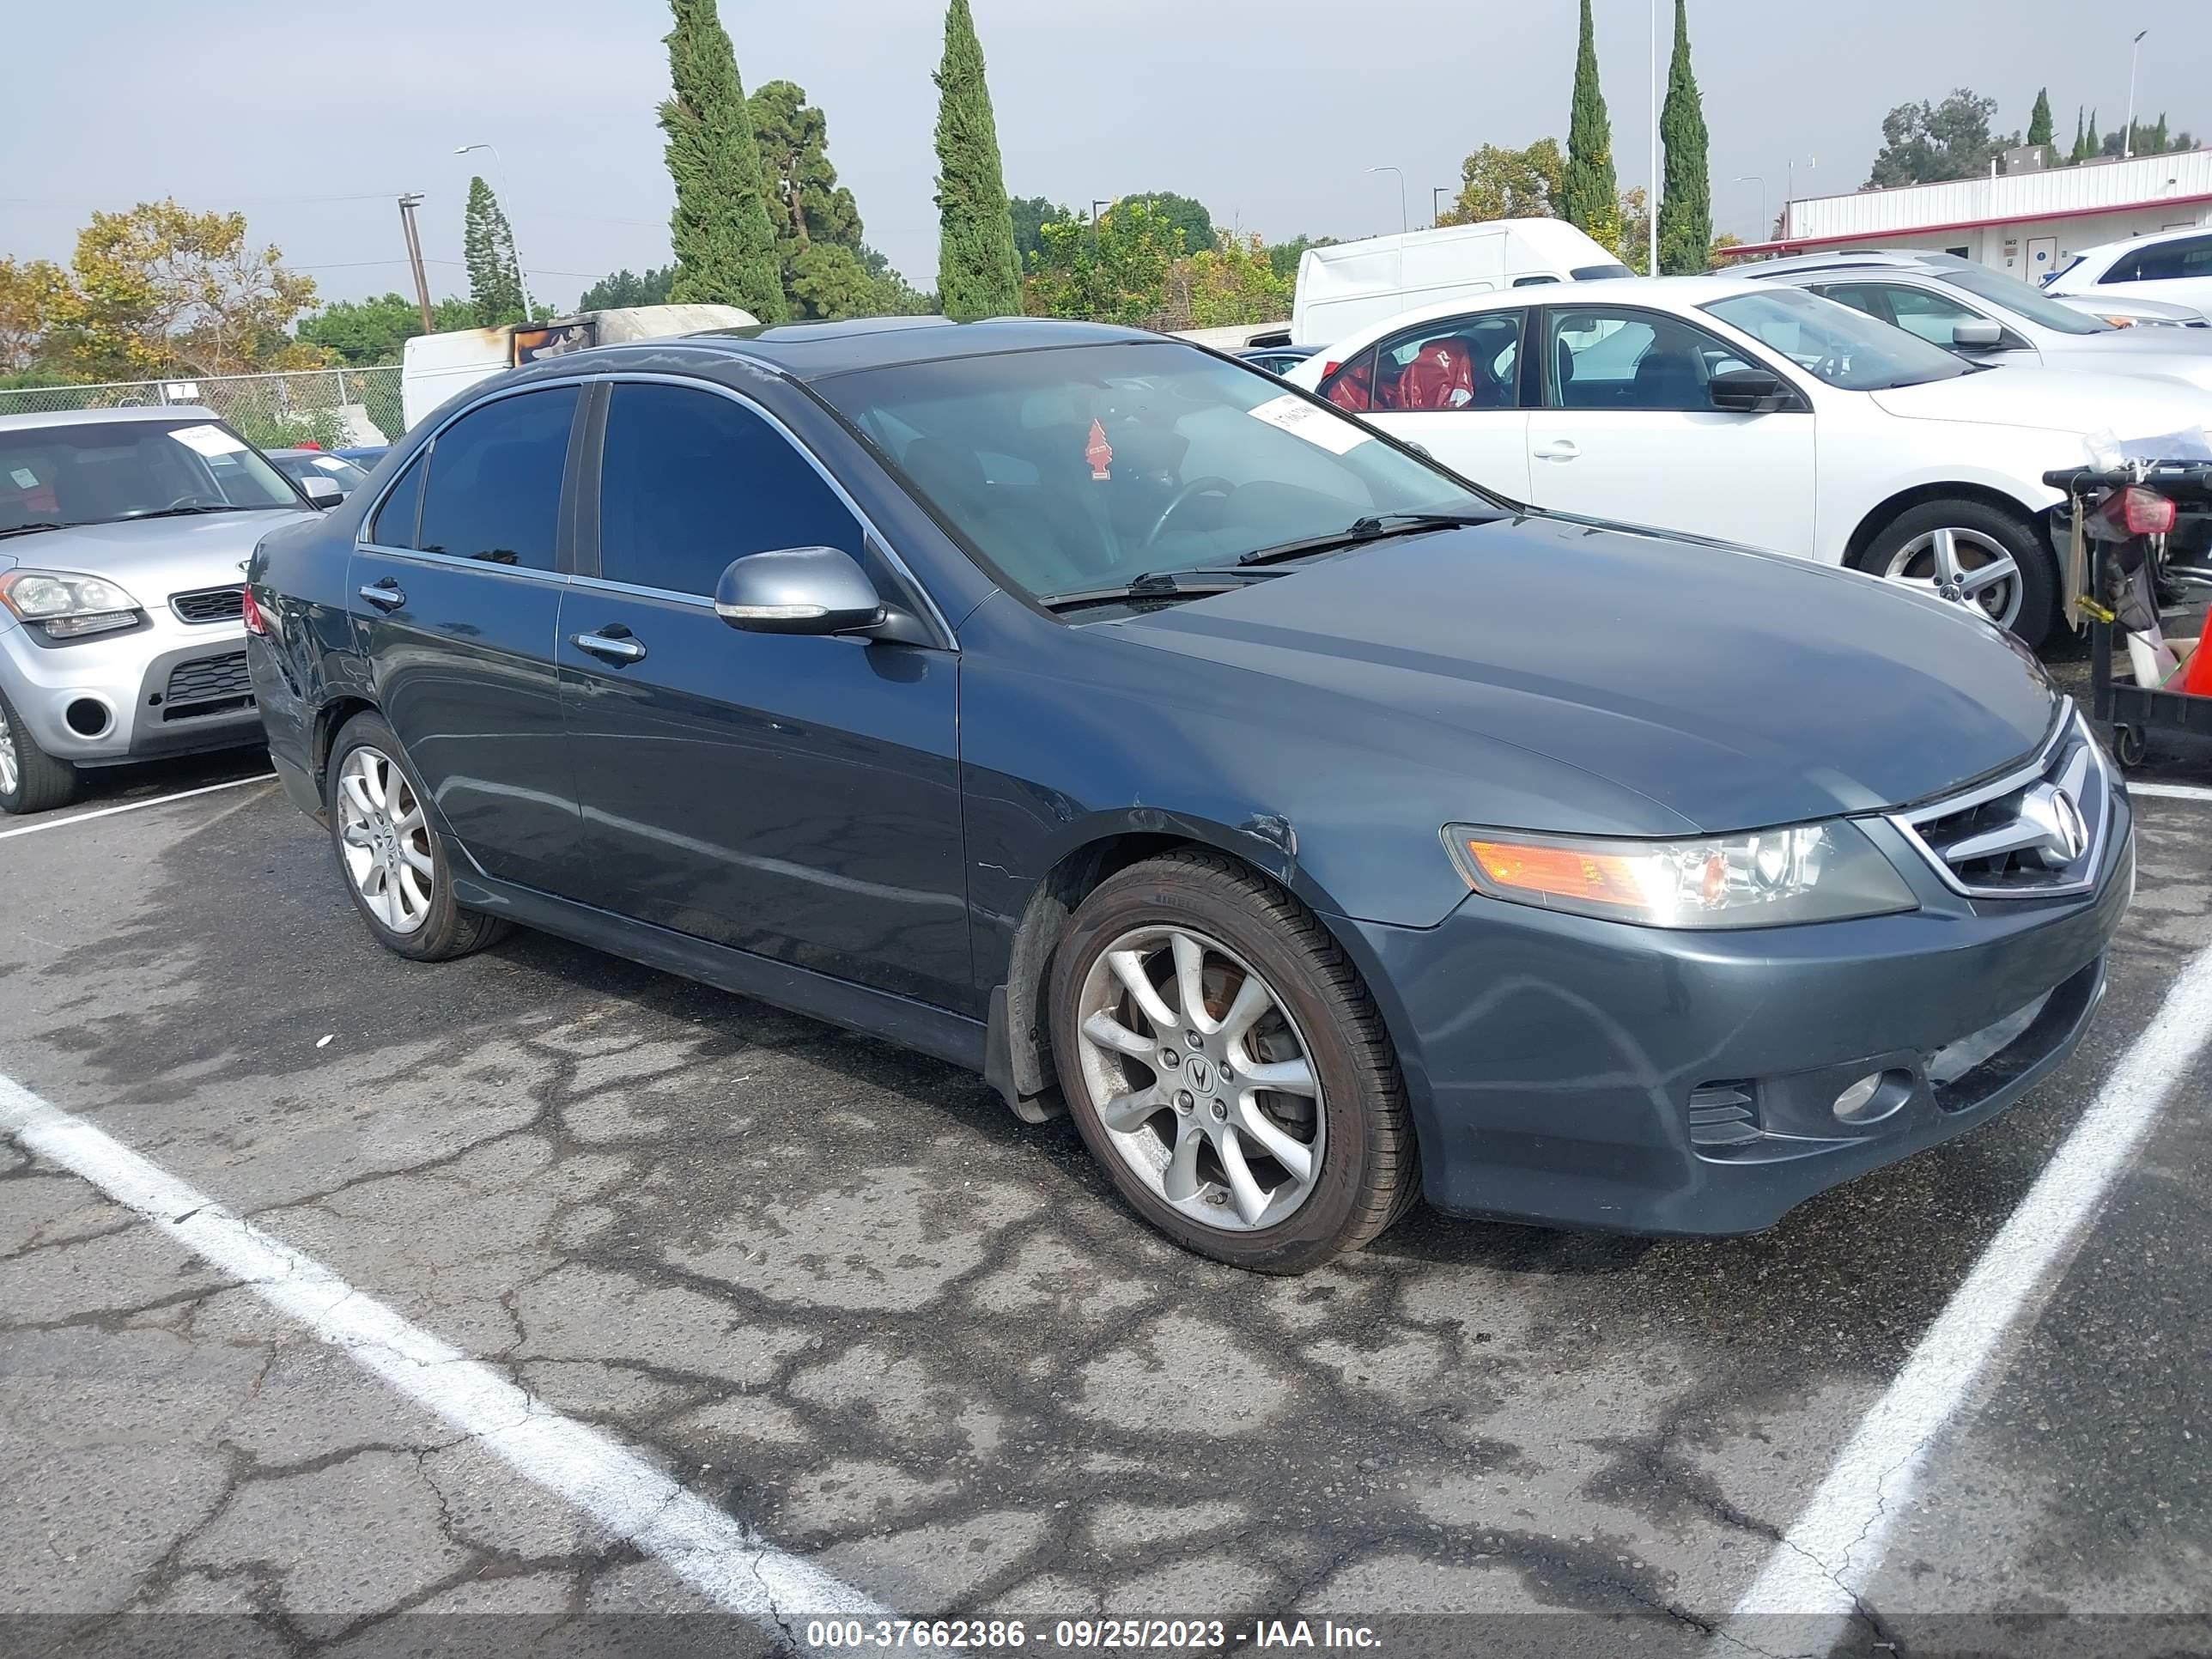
{"x": 1316, "y": 425}
{"x": 24, "y": 478}
{"x": 209, "y": 441}
{"x": 1099, "y": 453}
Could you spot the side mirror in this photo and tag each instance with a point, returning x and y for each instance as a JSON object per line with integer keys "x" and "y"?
{"x": 322, "y": 492}
{"x": 799, "y": 590}
{"x": 1747, "y": 391}
{"x": 1977, "y": 336}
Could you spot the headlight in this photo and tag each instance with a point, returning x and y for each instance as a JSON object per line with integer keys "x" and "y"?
{"x": 68, "y": 606}
{"x": 1769, "y": 878}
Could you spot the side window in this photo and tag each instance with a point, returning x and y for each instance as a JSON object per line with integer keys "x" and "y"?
{"x": 1604, "y": 359}
{"x": 2186, "y": 256}
{"x": 395, "y": 517}
{"x": 1352, "y": 386}
{"x": 494, "y": 489}
{"x": 1916, "y": 310}
{"x": 1459, "y": 362}
{"x": 692, "y": 480}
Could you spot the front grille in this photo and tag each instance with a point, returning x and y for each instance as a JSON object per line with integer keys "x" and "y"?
{"x": 212, "y": 685}
{"x": 1723, "y": 1114}
{"x": 209, "y": 605}
{"x": 2035, "y": 833}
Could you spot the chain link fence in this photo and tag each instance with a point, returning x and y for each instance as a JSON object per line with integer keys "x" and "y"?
{"x": 335, "y": 408}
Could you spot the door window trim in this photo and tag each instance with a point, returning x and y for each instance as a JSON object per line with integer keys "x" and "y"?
{"x": 1440, "y": 327}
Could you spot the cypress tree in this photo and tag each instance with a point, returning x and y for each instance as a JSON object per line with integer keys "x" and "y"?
{"x": 2038, "y": 119}
{"x": 1686, "y": 212}
{"x": 2092, "y": 146}
{"x": 488, "y": 247}
{"x": 978, "y": 273}
{"x": 724, "y": 246}
{"x": 2081, "y": 137}
{"x": 1589, "y": 195}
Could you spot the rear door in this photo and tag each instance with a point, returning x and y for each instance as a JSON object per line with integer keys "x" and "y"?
{"x": 455, "y": 589}
{"x": 794, "y": 797}
{"x": 1453, "y": 387}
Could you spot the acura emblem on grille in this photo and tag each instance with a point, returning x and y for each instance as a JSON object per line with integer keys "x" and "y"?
{"x": 2051, "y": 811}
{"x": 2029, "y": 835}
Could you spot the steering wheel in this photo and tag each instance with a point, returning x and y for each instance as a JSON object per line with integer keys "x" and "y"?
{"x": 1207, "y": 486}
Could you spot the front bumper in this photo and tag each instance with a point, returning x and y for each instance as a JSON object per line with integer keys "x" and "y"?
{"x": 165, "y": 687}
{"x": 1578, "y": 1072}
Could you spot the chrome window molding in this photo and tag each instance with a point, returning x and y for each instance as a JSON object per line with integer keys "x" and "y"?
{"x": 2071, "y": 729}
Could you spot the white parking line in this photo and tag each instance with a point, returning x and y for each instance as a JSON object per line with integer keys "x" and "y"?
{"x": 2172, "y": 791}
{"x": 706, "y": 1547}
{"x": 1830, "y": 1555}
{"x": 131, "y": 806}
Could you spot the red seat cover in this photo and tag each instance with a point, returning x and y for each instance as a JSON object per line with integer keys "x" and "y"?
{"x": 1441, "y": 376}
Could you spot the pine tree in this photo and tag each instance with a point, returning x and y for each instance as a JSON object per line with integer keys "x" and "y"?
{"x": 2039, "y": 119}
{"x": 1686, "y": 210}
{"x": 978, "y": 274}
{"x": 724, "y": 246}
{"x": 487, "y": 246}
{"x": 1589, "y": 197}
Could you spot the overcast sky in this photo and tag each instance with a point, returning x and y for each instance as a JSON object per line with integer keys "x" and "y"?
{"x": 1267, "y": 111}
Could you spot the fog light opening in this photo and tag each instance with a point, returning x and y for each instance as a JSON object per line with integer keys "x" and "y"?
{"x": 88, "y": 718}
{"x": 1872, "y": 1097}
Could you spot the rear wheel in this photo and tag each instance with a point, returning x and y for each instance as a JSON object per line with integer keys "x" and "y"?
{"x": 1969, "y": 552}
{"x": 1223, "y": 1062}
{"x": 31, "y": 780}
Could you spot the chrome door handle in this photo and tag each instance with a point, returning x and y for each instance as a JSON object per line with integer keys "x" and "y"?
{"x": 1564, "y": 450}
{"x": 384, "y": 595}
{"x": 608, "y": 645}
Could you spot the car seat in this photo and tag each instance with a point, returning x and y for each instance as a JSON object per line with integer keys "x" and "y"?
{"x": 1443, "y": 374}
{"x": 1669, "y": 377}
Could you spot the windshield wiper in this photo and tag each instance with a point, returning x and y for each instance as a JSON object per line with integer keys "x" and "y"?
{"x": 185, "y": 512}
{"x": 1156, "y": 585}
{"x": 26, "y": 529}
{"x": 1373, "y": 528}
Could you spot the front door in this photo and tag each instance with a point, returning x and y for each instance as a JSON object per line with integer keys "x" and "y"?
{"x": 455, "y": 591}
{"x": 798, "y": 797}
{"x": 1452, "y": 387}
{"x": 1628, "y": 432}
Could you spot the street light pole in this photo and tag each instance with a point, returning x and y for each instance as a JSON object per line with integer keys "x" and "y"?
{"x": 1790, "y": 185}
{"x": 2128, "y": 138}
{"x": 1436, "y": 204}
{"x": 1405, "y": 221}
{"x": 1766, "y": 224}
{"x": 529, "y": 311}
{"x": 408, "y": 203}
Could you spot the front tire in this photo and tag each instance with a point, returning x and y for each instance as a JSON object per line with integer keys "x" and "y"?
{"x": 393, "y": 864}
{"x": 1970, "y": 552}
{"x": 31, "y": 780}
{"x": 1223, "y": 1062}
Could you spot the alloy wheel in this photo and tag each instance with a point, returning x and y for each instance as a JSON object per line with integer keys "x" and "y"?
{"x": 1201, "y": 1079}
{"x": 385, "y": 840}
{"x": 11, "y": 773}
{"x": 1965, "y": 567}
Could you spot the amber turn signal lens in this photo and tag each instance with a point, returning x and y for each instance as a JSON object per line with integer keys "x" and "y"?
{"x": 1593, "y": 877}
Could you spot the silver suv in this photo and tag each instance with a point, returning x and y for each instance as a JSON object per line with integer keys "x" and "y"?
{"x": 123, "y": 537}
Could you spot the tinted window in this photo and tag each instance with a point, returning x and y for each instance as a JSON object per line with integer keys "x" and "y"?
{"x": 395, "y": 517}
{"x": 1917, "y": 311}
{"x": 1352, "y": 386}
{"x": 1460, "y": 362}
{"x": 2188, "y": 256}
{"x": 690, "y": 481}
{"x": 495, "y": 487}
{"x": 1604, "y": 359}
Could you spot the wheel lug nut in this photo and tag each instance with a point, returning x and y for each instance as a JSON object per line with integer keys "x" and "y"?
{"x": 1219, "y": 1110}
{"x": 1169, "y": 1059}
{"x": 1183, "y": 1101}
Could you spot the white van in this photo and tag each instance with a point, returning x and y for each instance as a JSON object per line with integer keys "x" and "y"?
{"x": 1347, "y": 285}
{"x": 433, "y": 367}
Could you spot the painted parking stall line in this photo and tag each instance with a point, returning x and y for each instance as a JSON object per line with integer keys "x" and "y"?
{"x": 1821, "y": 1568}
{"x": 709, "y": 1549}
{"x": 132, "y": 806}
{"x": 2172, "y": 791}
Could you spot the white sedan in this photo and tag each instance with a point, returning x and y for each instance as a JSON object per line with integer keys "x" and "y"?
{"x": 1760, "y": 414}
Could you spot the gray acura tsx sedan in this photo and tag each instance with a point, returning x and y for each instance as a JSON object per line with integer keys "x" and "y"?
{"x": 1317, "y": 829}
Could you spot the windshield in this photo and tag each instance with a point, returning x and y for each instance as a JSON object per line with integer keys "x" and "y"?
{"x": 1081, "y": 467}
{"x": 2021, "y": 301}
{"x": 301, "y": 465}
{"x": 100, "y": 472}
{"x": 1844, "y": 348}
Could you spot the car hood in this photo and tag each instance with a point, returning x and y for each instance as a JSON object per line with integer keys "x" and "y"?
{"x": 153, "y": 558}
{"x": 2171, "y": 354}
{"x": 2053, "y": 400}
{"x": 1660, "y": 685}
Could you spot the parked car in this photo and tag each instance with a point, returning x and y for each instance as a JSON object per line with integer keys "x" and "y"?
{"x": 1087, "y": 709}
{"x": 301, "y": 465}
{"x": 1344, "y": 286}
{"x": 123, "y": 536}
{"x": 1993, "y": 318}
{"x": 1755, "y": 413}
{"x": 1277, "y": 359}
{"x": 2122, "y": 311}
{"x": 2171, "y": 265}
{"x": 364, "y": 456}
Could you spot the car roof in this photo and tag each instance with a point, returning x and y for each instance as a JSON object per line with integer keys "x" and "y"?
{"x": 1923, "y": 260}
{"x": 812, "y": 351}
{"x": 1668, "y": 293}
{"x": 99, "y": 416}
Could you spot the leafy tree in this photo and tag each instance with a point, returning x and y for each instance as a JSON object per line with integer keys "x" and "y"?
{"x": 2151, "y": 138}
{"x": 2039, "y": 119}
{"x": 817, "y": 224}
{"x": 724, "y": 240}
{"x": 1497, "y": 183}
{"x": 890, "y": 293}
{"x": 1588, "y": 197}
{"x": 1715, "y": 255}
{"x": 31, "y": 295}
{"x": 367, "y": 333}
{"x": 1186, "y": 215}
{"x": 977, "y": 273}
{"x": 622, "y": 288}
{"x": 1116, "y": 270}
{"x": 1234, "y": 282}
{"x": 1634, "y": 219}
{"x": 1283, "y": 257}
{"x": 487, "y": 246}
{"x": 1685, "y": 209}
{"x": 1924, "y": 143}
{"x": 1031, "y": 212}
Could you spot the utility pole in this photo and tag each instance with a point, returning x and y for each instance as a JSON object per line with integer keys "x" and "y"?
{"x": 407, "y": 206}
{"x": 2128, "y": 135}
{"x": 1436, "y": 204}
